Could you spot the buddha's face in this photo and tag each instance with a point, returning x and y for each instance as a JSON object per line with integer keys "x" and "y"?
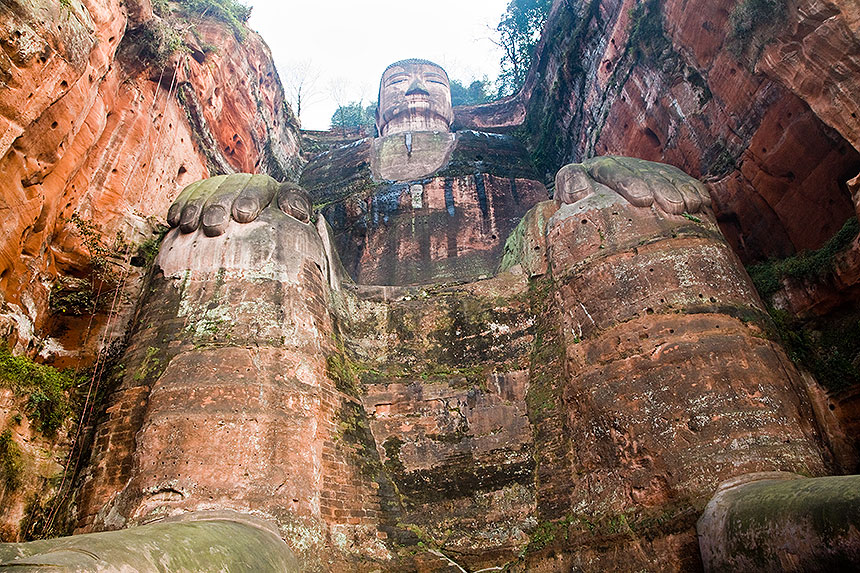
{"x": 414, "y": 95}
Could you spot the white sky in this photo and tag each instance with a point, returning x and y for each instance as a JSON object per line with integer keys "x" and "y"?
{"x": 349, "y": 43}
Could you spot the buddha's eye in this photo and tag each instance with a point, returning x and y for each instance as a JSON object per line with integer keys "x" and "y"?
{"x": 397, "y": 80}
{"x": 436, "y": 80}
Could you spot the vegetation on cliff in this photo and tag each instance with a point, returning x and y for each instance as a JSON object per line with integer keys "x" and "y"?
{"x": 753, "y": 24}
{"x": 519, "y": 31}
{"x": 355, "y": 117}
{"x": 826, "y": 346}
{"x": 11, "y": 462}
{"x": 162, "y": 36}
{"x": 49, "y": 391}
{"x": 476, "y": 92}
{"x": 768, "y": 277}
{"x": 233, "y": 13}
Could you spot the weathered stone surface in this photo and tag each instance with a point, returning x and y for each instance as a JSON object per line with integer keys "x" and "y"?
{"x": 31, "y": 468}
{"x": 772, "y": 143}
{"x": 414, "y": 95}
{"x": 206, "y": 541}
{"x": 818, "y": 59}
{"x": 227, "y": 399}
{"x": 446, "y": 378}
{"x": 86, "y": 128}
{"x": 777, "y": 521}
{"x": 446, "y": 225}
{"x": 599, "y": 388}
{"x": 501, "y": 116}
{"x": 408, "y": 156}
{"x": 662, "y": 382}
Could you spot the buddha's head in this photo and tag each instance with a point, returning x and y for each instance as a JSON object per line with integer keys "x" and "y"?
{"x": 414, "y": 95}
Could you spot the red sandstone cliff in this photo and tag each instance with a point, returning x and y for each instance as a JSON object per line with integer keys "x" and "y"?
{"x": 771, "y": 125}
{"x": 98, "y": 120}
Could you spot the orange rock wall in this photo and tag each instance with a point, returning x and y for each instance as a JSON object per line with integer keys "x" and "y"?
{"x": 776, "y": 136}
{"x": 87, "y": 129}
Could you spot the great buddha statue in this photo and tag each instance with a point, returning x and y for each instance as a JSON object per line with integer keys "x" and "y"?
{"x": 415, "y": 360}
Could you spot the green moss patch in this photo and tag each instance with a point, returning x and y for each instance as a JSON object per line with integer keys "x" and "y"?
{"x": 233, "y": 13}
{"x": 807, "y": 265}
{"x": 828, "y": 348}
{"x": 11, "y": 461}
{"x": 753, "y": 24}
{"x": 50, "y": 392}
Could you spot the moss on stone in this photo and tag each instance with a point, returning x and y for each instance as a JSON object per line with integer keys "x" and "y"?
{"x": 646, "y": 34}
{"x": 205, "y": 545}
{"x": 523, "y": 246}
{"x": 393, "y": 463}
{"x": 807, "y": 265}
{"x": 546, "y": 373}
{"x": 828, "y": 347}
{"x": 11, "y": 461}
{"x": 343, "y": 371}
{"x": 354, "y": 431}
{"x": 753, "y": 24}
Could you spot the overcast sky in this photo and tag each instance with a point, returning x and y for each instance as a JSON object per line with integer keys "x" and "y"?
{"x": 349, "y": 43}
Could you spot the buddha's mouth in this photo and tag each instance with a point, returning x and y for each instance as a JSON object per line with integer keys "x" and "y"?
{"x": 418, "y": 99}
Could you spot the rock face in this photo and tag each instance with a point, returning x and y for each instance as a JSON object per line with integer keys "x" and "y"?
{"x": 670, "y": 81}
{"x": 446, "y": 379}
{"x": 530, "y": 422}
{"x": 602, "y": 363}
{"x": 92, "y": 124}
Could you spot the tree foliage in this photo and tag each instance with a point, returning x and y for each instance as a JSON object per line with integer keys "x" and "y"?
{"x": 231, "y": 12}
{"x": 354, "y": 116}
{"x": 475, "y": 93}
{"x": 519, "y": 32}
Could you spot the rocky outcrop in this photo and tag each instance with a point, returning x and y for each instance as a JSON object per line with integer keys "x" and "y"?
{"x": 99, "y": 128}
{"x": 773, "y": 130}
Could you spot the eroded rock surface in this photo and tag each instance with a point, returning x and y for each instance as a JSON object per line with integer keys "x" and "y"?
{"x": 445, "y": 216}
{"x": 657, "y": 382}
{"x": 771, "y": 127}
{"x": 91, "y": 125}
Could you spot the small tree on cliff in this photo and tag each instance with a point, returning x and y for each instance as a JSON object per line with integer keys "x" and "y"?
{"x": 231, "y": 12}
{"x": 354, "y": 117}
{"x": 519, "y": 31}
{"x": 475, "y": 93}
{"x": 300, "y": 83}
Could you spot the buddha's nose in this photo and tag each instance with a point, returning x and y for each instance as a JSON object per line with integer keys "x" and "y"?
{"x": 417, "y": 88}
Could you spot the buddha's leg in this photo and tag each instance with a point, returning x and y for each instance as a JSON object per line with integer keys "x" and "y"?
{"x": 669, "y": 382}
{"x": 226, "y": 401}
